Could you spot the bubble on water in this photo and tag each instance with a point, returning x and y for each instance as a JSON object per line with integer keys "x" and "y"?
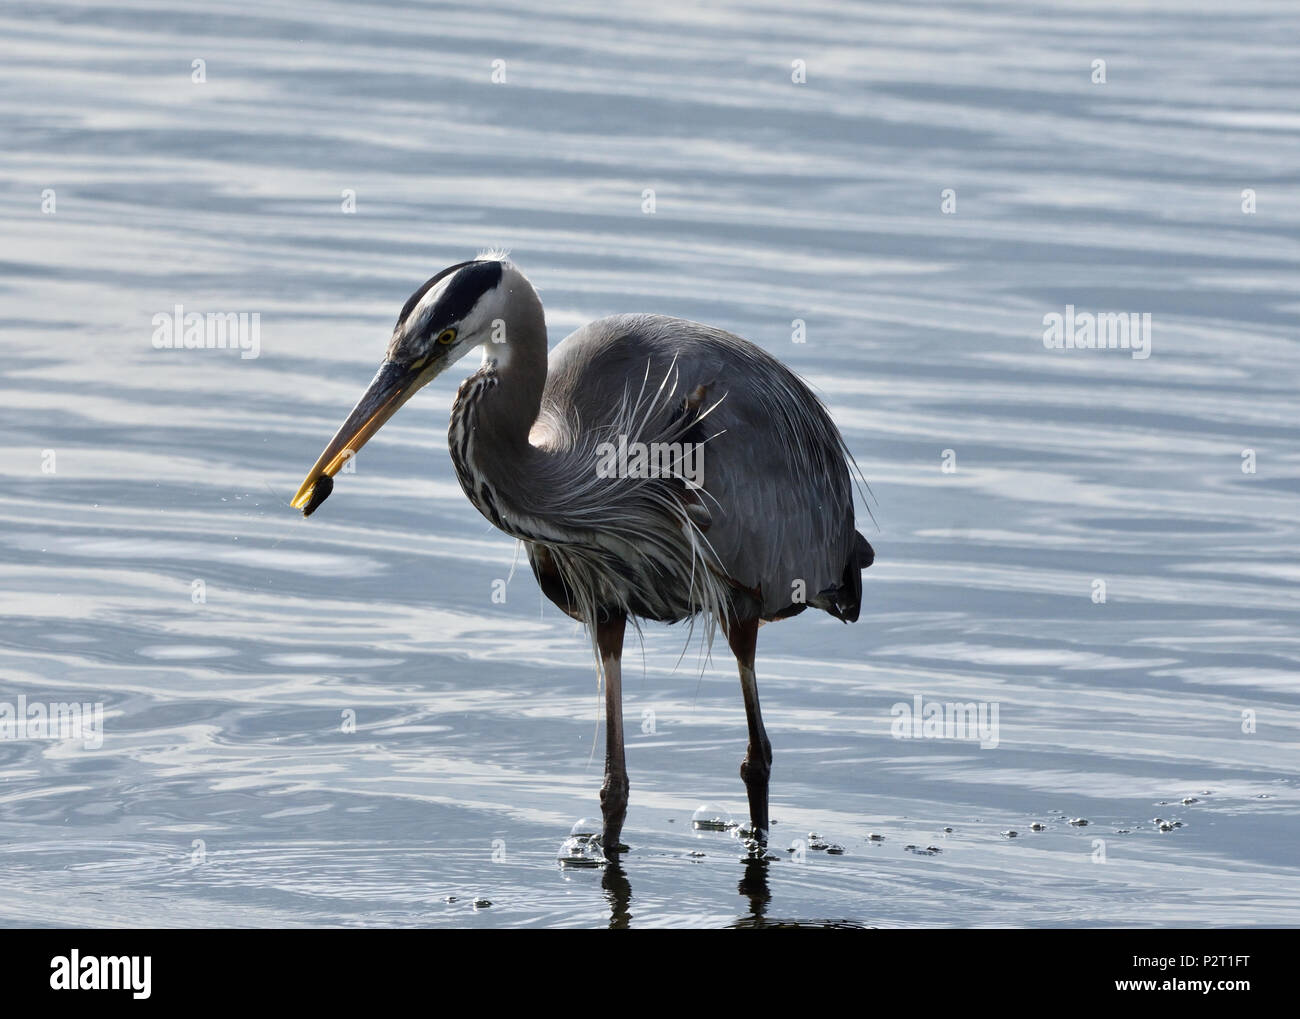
{"x": 1079, "y": 822}
{"x": 711, "y": 817}
{"x": 482, "y": 903}
{"x": 588, "y": 827}
{"x": 1188, "y": 800}
{"x": 582, "y": 851}
{"x": 873, "y": 837}
{"x": 1038, "y": 826}
{"x": 834, "y": 849}
{"x": 1010, "y": 833}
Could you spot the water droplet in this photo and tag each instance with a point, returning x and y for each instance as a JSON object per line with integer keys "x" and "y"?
{"x": 710, "y": 817}
{"x": 582, "y": 851}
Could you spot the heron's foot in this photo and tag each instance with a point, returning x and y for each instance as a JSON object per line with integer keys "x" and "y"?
{"x": 755, "y": 770}
{"x": 613, "y": 807}
{"x": 611, "y": 842}
{"x": 616, "y": 848}
{"x": 754, "y": 832}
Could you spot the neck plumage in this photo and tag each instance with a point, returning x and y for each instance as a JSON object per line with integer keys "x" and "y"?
{"x": 634, "y": 545}
{"x": 504, "y": 475}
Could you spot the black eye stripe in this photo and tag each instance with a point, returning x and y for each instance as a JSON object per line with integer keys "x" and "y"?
{"x": 472, "y": 280}
{"x": 416, "y": 297}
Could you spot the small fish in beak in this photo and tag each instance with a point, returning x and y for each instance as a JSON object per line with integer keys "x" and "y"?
{"x": 319, "y": 493}
{"x": 391, "y": 387}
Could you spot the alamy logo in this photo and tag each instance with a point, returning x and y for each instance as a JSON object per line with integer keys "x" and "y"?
{"x": 924, "y": 719}
{"x": 182, "y": 330}
{"x": 1107, "y": 330}
{"x": 623, "y": 459}
{"x": 55, "y": 721}
{"x": 75, "y": 972}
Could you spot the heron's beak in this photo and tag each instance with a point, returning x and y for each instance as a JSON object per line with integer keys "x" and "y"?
{"x": 391, "y": 387}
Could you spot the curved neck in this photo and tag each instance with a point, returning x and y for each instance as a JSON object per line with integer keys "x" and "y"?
{"x": 516, "y": 350}
{"x": 501, "y": 472}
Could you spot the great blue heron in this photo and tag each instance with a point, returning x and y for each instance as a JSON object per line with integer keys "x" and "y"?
{"x": 764, "y": 530}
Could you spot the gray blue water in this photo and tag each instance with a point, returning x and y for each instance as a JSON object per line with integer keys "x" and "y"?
{"x": 149, "y": 561}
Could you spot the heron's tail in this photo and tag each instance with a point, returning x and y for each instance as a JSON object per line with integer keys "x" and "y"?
{"x": 862, "y": 550}
{"x": 845, "y": 601}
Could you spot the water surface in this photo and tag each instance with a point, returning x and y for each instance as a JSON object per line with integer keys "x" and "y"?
{"x": 226, "y": 791}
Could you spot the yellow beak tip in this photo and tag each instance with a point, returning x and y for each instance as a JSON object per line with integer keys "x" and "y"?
{"x": 310, "y": 496}
{"x": 303, "y": 495}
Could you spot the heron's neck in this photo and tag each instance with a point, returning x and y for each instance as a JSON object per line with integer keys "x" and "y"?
{"x": 502, "y": 473}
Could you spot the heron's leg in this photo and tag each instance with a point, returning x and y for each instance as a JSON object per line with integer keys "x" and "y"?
{"x": 613, "y": 794}
{"x": 757, "y": 765}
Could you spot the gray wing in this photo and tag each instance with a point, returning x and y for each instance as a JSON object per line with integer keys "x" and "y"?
{"x": 778, "y": 489}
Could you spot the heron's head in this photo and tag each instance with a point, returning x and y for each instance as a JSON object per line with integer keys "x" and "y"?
{"x": 462, "y": 307}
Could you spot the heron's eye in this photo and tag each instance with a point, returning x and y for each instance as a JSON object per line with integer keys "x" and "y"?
{"x": 446, "y": 336}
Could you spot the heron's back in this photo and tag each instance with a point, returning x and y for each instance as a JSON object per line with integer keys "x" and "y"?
{"x": 778, "y": 513}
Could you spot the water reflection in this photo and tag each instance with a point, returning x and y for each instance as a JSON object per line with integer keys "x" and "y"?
{"x": 753, "y": 886}
{"x": 618, "y": 893}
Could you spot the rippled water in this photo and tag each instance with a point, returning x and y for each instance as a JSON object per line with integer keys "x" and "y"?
{"x": 226, "y": 791}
